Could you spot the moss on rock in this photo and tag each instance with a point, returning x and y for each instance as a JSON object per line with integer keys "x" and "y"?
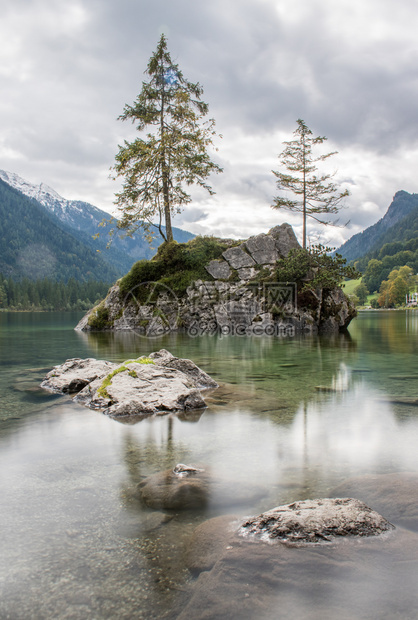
{"x": 99, "y": 318}
{"x": 176, "y": 266}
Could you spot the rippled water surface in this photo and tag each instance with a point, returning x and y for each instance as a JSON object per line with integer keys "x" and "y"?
{"x": 293, "y": 417}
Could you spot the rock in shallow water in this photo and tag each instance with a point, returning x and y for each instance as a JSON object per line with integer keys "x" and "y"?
{"x": 312, "y": 521}
{"x": 189, "y": 488}
{"x": 208, "y": 543}
{"x": 395, "y": 495}
{"x": 158, "y": 384}
{"x": 143, "y": 389}
{"x": 374, "y": 578}
{"x": 75, "y": 374}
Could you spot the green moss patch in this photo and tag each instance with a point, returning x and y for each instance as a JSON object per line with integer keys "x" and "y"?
{"x": 102, "y": 391}
{"x": 176, "y": 266}
{"x": 99, "y": 318}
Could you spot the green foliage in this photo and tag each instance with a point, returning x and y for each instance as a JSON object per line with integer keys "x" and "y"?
{"x": 393, "y": 291}
{"x": 378, "y": 269}
{"x": 99, "y": 318}
{"x": 48, "y": 295}
{"x": 315, "y": 194}
{"x": 176, "y": 266}
{"x": 144, "y": 360}
{"x": 350, "y": 285}
{"x": 355, "y": 300}
{"x": 314, "y": 268}
{"x": 373, "y": 275}
{"x": 361, "y": 292}
{"x": 159, "y": 165}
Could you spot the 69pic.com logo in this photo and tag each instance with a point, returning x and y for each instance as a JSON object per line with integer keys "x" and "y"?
{"x": 151, "y": 310}
{"x": 279, "y": 298}
{"x": 265, "y": 312}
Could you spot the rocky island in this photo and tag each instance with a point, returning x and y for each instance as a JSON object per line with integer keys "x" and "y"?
{"x": 210, "y": 285}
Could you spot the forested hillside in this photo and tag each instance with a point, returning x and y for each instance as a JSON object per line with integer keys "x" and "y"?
{"x": 398, "y": 223}
{"x": 33, "y": 244}
{"x": 83, "y": 221}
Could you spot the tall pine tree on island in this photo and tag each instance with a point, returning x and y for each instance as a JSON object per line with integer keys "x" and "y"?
{"x": 314, "y": 194}
{"x": 157, "y": 166}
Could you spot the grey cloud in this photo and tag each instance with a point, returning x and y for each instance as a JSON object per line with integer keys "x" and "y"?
{"x": 348, "y": 68}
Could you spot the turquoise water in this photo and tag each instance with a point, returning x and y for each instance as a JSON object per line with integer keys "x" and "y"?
{"x": 293, "y": 416}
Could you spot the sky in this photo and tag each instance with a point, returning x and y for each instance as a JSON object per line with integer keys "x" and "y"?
{"x": 348, "y": 68}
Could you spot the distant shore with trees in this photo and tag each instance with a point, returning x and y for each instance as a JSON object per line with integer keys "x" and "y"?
{"x": 45, "y": 295}
{"x": 391, "y": 294}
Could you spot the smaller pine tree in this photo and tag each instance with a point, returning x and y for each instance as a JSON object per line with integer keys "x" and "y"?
{"x": 315, "y": 194}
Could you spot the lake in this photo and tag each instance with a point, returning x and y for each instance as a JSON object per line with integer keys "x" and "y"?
{"x": 293, "y": 416}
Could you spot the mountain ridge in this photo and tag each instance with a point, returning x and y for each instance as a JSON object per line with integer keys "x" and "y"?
{"x": 367, "y": 241}
{"x": 81, "y": 220}
{"x": 34, "y": 244}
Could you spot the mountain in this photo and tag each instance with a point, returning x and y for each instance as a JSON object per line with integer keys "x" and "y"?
{"x": 34, "y": 244}
{"x": 82, "y": 220}
{"x": 393, "y": 225}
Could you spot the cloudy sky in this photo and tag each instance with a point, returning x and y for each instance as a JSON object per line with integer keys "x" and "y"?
{"x": 349, "y": 68}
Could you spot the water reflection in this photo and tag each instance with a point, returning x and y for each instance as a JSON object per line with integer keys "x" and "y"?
{"x": 387, "y": 331}
{"x": 411, "y": 322}
{"x": 292, "y": 417}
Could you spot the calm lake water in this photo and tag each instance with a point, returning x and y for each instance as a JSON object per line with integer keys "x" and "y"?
{"x": 294, "y": 416}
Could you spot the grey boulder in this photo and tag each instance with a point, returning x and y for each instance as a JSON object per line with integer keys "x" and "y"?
{"x": 158, "y": 384}
{"x": 218, "y": 269}
{"x": 143, "y": 389}
{"x": 316, "y": 520}
{"x": 285, "y": 239}
{"x": 263, "y": 249}
{"x": 238, "y": 257}
{"x": 197, "y": 376}
{"x": 75, "y": 374}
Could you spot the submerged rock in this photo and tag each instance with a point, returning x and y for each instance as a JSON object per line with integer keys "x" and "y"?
{"x": 358, "y": 580}
{"x": 157, "y": 384}
{"x": 188, "y": 488}
{"x": 208, "y": 542}
{"x": 312, "y": 521}
{"x": 241, "y": 578}
{"x": 395, "y": 495}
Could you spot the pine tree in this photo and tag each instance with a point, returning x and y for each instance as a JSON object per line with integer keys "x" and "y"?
{"x": 314, "y": 194}
{"x": 157, "y": 166}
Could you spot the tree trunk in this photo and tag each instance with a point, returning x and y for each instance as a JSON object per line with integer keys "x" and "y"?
{"x": 304, "y": 205}
{"x": 165, "y": 170}
{"x": 304, "y": 227}
{"x": 167, "y": 211}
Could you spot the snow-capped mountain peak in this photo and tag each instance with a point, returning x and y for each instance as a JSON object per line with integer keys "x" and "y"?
{"x": 85, "y": 221}
{"x": 42, "y": 193}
